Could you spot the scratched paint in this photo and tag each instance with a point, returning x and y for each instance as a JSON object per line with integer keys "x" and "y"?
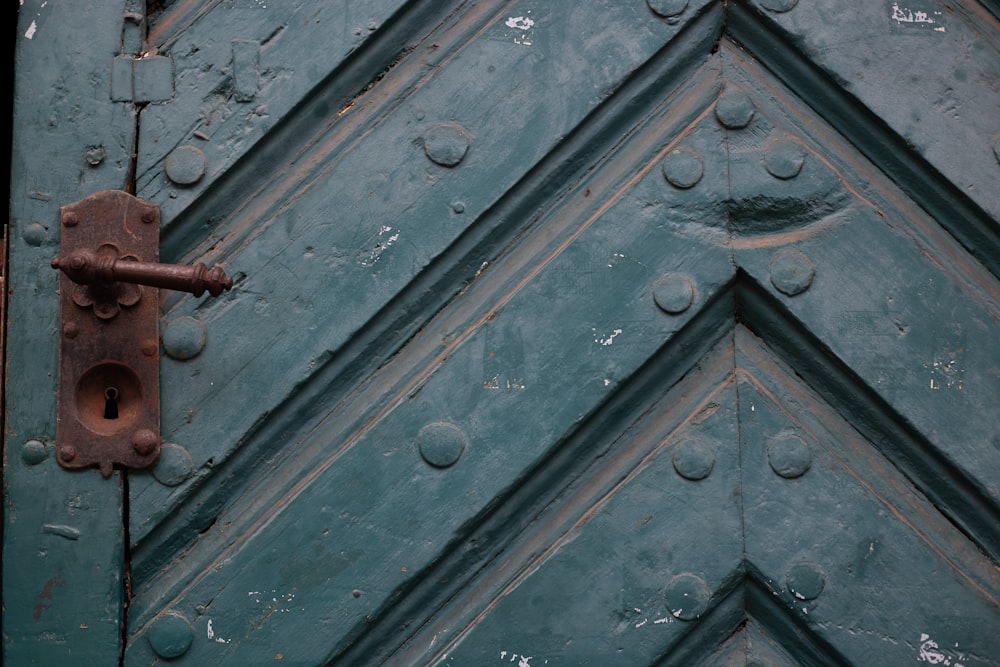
{"x": 521, "y": 27}
{"x": 606, "y": 341}
{"x": 916, "y": 17}
{"x": 929, "y": 651}
{"x": 519, "y": 659}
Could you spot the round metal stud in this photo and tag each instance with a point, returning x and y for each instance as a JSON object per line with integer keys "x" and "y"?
{"x": 446, "y": 144}
{"x": 71, "y": 330}
{"x": 95, "y": 155}
{"x": 441, "y": 444}
{"x": 35, "y": 234}
{"x": 791, "y": 271}
{"x": 683, "y": 168}
{"x": 170, "y": 635}
{"x": 70, "y": 219}
{"x": 174, "y": 465}
{"x": 185, "y": 165}
{"x": 805, "y": 580}
{"x": 688, "y": 596}
{"x": 734, "y": 110}
{"x": 67, "y": 453}
{"x": 784, "y": 158}
{"x": 674, "y": 293}
{"x": 184, "y": 338}
{"x": 144, "y": 441}
{"x": 668, "y": 9}
{"x": 34, "y": 452}
{"x": 694, "y": 459}
{"x": 789, "y": 456}
{"x": 778, "y": 6}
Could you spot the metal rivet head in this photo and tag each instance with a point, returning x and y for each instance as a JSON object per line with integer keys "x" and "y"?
{"x": 458, "y": 207}
{"x": 149, "y": 348}
{"x": 95, "y": 155}
{"x": 789, "y": 456}
{"x": 34, "y": 452}
{"x": 784, "y": 158}
{"x": 446, "y": 144}
{"x": 441, "y": 444}
{"x": 184, "y": 338}
{"x": 693, "y": 459}
{"x": 71, "y": 330}
{"x": 668, "y": 9}
{"x": 174, "y": 465}
{"x": 688, "y": 596}
{"x": 148, "y": 215}
{"x": 734, "y": 110}
{"x": 70, "y": 219}
{"x": 35, "y": 234}
{"x": 144, "y": 441}
{"x": 185, "y": 165}
{"x": 67, "y": 453}
{"x": 791, "y": 271}
{"x": 674, "y": 293}
{"x": 170, "y": 635}
{"x": 778, "y": 6}
{"x": 805, "y": 580}
{"x": 683, "y": 168}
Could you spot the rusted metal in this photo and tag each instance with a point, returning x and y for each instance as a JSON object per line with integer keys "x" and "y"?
{"x": 109, "y": 377}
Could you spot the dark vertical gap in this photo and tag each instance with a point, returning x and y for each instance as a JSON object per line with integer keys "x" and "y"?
{"x": 6, "y": 143}
{"x": 130, "y": 187}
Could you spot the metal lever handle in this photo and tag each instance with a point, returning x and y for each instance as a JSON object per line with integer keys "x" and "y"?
{"x": 86, "y": 267}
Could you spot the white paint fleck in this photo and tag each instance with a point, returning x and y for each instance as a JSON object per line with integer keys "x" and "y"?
{"x": 661, "y": 621}
{"x": 503, "y": 654}
{"x": 930, "y": 652}
{"x": 519, "y": 23}
{"x": 903, "y": 15}
{"x": 525, "y": 661}
{"x": 642, "y": 623}
{"x": 212, "y": 637}
{"x": 30, "y": 32}
{"x": 606, "y": 341}
{"x": 606, "y": 382}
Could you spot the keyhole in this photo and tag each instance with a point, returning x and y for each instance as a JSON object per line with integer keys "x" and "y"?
{"x": 111, "y": 403}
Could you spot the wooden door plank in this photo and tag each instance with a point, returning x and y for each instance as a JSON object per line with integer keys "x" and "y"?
{"x": 63, "y": 532}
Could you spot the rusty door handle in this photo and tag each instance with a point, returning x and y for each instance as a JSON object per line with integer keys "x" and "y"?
{"x": 88, "y": 267}
{"x": 109, "y": 347}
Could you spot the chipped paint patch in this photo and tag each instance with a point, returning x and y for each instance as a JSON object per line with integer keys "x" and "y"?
{"x": 382, "y": 244}
{"x": 915, "y": 17}
{"x": 521, "y": 29}
{"x": 606, "y": 341}
{"x": 930, "y": 652}
{"x": 213, "y": 637}
{"x": 30, "y": 32}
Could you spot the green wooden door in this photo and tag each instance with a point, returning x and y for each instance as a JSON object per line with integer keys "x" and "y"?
{"x": 564, "y": 333}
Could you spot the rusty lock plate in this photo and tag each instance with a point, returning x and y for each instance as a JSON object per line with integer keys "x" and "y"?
{"x": 109, "y": 353}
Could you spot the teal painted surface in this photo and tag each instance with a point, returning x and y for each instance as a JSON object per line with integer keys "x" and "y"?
{"x": 572, "y": 333}
{"x": 63, "y": 537}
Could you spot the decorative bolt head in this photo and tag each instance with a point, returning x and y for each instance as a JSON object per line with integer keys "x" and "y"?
{"x": 184, "y": 338}
{"x": 441, "y": 444}
{"x": 683, "y": 168}
{"x": 67, "y": 453}
{"x": 805, "y": 580}
{"x": 148, "y": 215}
{"x": 149, "y": 348}
{"x": 791, "y": 271}
{"x": 185, "y": 165}
{"x": 170, "y": 635}
{"x": 693, "y": 459}
{"x": 668, "y": 9}
{"x": 784, "y": 158}
{"x": 70, "y": 219}
{"x": 688, "y": 596}
{"x": 144, "y": 441}
{"x": 789, "y": 456}
{"x": 778, "y": 6}
{"x": 71, "y": 330}
{"x": 174, "y": 465}
{"x": 734, "y": 110}
{"x": 674, "y": 293}
{"x": 33, "y": 452}
{"x": 446, "y": 144}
